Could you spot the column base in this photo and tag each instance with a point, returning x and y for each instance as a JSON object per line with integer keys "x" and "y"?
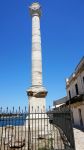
{"x": 37, "y": 91}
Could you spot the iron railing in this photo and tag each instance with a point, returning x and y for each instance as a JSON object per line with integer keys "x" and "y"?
{"x": 32, "y": 131}
{"x": 62, "y": 119}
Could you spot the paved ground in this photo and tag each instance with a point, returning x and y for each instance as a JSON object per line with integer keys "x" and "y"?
{"x": 79, "y": 139}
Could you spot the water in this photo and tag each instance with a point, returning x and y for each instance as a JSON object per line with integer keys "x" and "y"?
{"x": 15, "y": 121}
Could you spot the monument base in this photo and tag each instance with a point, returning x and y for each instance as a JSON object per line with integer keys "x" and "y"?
{"x": 38, "y": 124}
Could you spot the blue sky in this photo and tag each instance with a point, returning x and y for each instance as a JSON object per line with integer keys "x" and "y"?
{"x": 62, "y": 30}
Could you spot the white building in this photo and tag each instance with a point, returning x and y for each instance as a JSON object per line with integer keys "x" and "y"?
{"x": 75, "y": 93}
{"x": 60, "y": 102}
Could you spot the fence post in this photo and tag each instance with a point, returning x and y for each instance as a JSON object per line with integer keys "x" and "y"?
{"x": 29, "y": 132}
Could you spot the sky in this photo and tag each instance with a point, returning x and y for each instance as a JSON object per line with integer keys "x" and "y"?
{"x": 62, "y": 32}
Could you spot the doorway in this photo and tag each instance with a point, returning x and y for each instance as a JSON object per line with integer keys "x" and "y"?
{"x": 80, "y": 117}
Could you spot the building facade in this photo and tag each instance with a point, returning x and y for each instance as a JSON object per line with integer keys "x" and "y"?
{"x": 75, "y": 93}
{"x": 60, "y": 103}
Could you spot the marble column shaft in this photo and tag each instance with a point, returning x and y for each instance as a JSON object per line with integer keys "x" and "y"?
{"x": 36, "y": 51}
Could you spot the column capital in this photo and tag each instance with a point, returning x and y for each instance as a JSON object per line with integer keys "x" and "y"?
{"x": 35, "y": 9}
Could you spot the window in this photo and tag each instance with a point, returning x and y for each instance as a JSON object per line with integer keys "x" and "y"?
{"x": 69, "y": 94}
{"x": 80, "y": 117}
{"x": 76, "y": 88}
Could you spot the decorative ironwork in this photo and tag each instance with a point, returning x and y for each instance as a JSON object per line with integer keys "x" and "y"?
{"x": 62, "y": 119}
{"x": 35, "y": 131}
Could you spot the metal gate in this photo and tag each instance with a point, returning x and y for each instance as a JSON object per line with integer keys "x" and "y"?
{"x": 62, "y": 120}
{"x": 35, "y": 131}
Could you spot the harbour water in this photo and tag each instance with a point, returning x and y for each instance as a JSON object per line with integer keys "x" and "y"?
{"x": 15, "y": 121}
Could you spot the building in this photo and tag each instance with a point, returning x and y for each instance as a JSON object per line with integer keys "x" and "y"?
{"x": 75, "y": 93}
{"x": 60, "y": 102}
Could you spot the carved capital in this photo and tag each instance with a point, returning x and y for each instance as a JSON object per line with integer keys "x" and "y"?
{"x": 35, "y": 9}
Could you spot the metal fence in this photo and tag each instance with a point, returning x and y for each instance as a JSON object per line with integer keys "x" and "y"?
{"x": 33, "y": 131}
{"x": 62, "y": 119}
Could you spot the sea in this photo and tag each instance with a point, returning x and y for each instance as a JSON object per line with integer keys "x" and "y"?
{"x": 12, "y": 121}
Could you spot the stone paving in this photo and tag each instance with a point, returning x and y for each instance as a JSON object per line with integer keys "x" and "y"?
{"x": 79, "y": 139}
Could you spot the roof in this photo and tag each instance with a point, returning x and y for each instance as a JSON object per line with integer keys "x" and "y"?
{"x": 60, "y": 105}
{"x": 60, "y": 101}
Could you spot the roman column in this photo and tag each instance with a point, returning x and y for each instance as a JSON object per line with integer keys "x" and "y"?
{"x": 36, "y": 45}
{"x": 37, "y": 92}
